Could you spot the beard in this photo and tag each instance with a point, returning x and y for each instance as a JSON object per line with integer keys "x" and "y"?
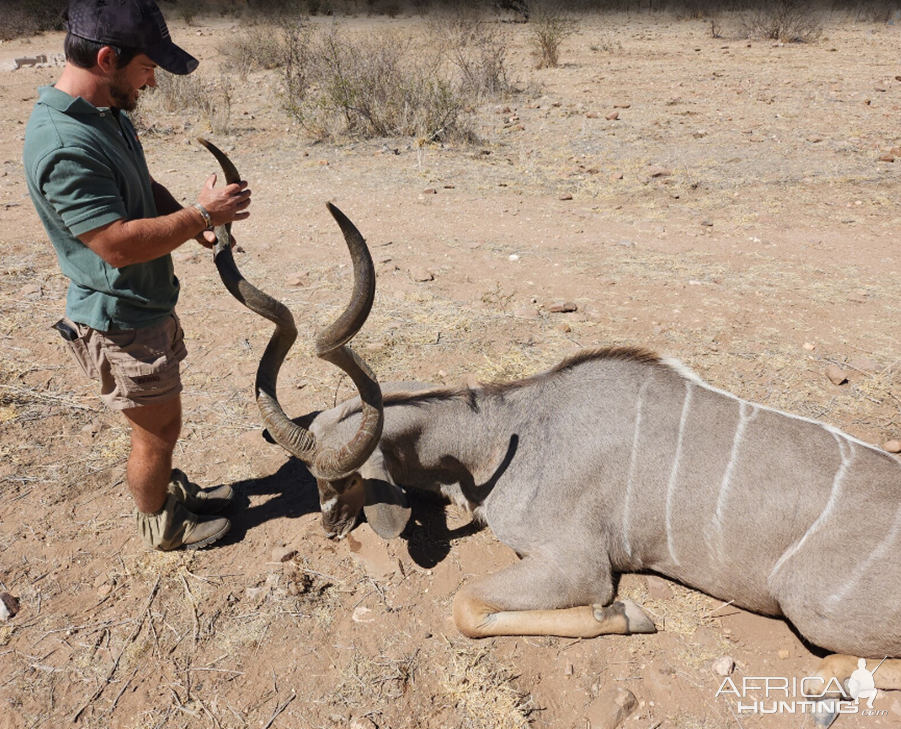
{"x": 122, "y": 94}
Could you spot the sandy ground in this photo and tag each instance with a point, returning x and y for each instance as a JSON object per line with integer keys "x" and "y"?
{"x": 767, "y": 254}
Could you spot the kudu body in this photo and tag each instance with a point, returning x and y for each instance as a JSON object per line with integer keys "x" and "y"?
{"x": 617, "y": 460}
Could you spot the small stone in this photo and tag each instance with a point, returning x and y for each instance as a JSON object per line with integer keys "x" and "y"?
{"x": 283, "y": 554}
{"x": 707, "y": 223}
{"x": 658, "y": 588}
{"x": 30, "y": 290}
{"x": 526, "y": 312}
{"x": 622, "y": 105}
{"x": 625, "y": 243}
{"x": 611, "y": 708}
{"x": 563, "y": 307}
{"x": 566, "y": 196}
{"x": 809, "y": 346}
{"x": 591, "y": 115}
{"x": 616, "y": 176}
{"x": 430, "y": 191}
{"x": 362, "y": 615}
{"x": 569, "y": 669}
{"x": 887, "y": 157}
{"x": 9, "y": 606}
{"x": 723, "y": 666}
{"x": 612, "y": 116}
{"x": 706, "y": 638}
{"x": 658, "y": 171}
{"x": 814, "y": 140}
{"x": 892, "y": 446}
{"x": 298, "y": 279}
{"x": 865, "y": 364}
{"x": 421, "y": 275}
{"x": 104, "y": 589}
{"x": 784, "y": 653}
{"x": 836, "y": 374}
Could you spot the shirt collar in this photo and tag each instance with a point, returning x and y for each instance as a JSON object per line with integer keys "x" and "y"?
{"x": 61, "y": 101}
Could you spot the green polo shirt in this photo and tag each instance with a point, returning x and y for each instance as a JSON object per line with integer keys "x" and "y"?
{"x": 85, "y": 168}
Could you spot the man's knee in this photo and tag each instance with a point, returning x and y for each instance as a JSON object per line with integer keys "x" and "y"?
{"x": 156, "y": 425}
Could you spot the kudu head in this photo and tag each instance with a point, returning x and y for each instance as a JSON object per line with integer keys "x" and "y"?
{"x": 343, "y": 492}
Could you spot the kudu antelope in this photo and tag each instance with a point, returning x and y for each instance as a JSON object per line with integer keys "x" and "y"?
{"x": 615, "y": 460}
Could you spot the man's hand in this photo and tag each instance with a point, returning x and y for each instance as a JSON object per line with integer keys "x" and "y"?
{"x": 225, "y": 205}
{"x": 207, "y": 238}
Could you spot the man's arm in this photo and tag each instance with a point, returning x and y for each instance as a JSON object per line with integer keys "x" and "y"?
{"x": 125, "y": 242}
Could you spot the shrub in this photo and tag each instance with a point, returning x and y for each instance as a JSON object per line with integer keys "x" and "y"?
{"x": 374, "y": 86}
{"x": 29, "y": 17}
{"x": 476, "y": 48}
{"x": 789, "y": 21}
{"x": 255, "y": 47}
{"x": 549, "y": 28}
{"x": 183, "y": 93}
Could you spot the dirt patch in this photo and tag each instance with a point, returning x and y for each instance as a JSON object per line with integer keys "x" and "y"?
{"x": 766, "y": 253}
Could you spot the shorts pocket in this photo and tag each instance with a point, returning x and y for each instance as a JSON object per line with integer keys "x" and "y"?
{"x": 79, "y": 349}
{"x": 148, "y": 376}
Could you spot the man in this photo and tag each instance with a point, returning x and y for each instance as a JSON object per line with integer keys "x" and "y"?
{"x": 113, "y": 228}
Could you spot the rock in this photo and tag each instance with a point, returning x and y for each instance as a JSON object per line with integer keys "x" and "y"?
{"x": 591, "y": 115}
{"x": 362, "y": 615}
{"x": 421, "y": 275}
{"x": 707, "y": 223}
{"x": 836, "y": 374}
{"x": 892, "y": 446}
{"x": 563, "y": 307}
{"x": 611, "y": 708}
{"x": 809, "y": 346}
{"x": 658, "y": 171}
{"x": 723, "y": 666}
{"x": 430, "y": 191}
{"x": 616, "y": 176}
{"x": 526, "y": 312}
{"x": 658, "y": 588}
{"x": 30, "y": 290}
{"x": 569, "y": 669}
{"x": 784, "y": 653}
{"x": 622, "y": 105}
{"x": 282, "y": 554}
{"x": 9, "y": 606}
{"x": 566, "y": 196}
{"x": 887, "y": 157}
{"x": 612, "y": 116}
{"x": 865, "y": 364}
{"x": 298, "y": 279}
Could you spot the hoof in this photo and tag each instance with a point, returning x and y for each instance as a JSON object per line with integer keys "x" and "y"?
{"x": 637, "y": 619}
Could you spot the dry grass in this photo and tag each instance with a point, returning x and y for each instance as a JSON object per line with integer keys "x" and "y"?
{"x": 483, "y": 691}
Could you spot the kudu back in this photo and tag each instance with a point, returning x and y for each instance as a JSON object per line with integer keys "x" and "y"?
{"x": 617, "y": 460}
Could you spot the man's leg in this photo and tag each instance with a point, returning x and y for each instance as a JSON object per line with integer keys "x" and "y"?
{"x": 154, "y": 433}
{"x": 163, "y": 520}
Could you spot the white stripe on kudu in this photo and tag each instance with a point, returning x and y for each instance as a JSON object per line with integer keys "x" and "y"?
{"x": 846, "y": 450}
{"x": 633, "y": 461}
{"x": 674, "y": 473}
{"x": 746, "y": 413}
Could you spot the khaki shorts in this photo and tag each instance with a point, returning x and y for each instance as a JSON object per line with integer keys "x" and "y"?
{"x": 135, "y": 367}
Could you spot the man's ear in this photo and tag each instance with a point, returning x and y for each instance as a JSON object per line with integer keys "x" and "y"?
{"x": 106, "y": 59}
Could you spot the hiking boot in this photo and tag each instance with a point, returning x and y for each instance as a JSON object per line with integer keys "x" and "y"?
{"x": 197, "y": 500}
{"x": 174, "y": 526}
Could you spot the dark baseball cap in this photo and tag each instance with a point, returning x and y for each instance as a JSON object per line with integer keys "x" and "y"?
{"x": 129, "y": 24}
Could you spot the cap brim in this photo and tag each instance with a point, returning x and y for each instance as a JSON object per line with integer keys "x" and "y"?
{"x": 173, "y": 59}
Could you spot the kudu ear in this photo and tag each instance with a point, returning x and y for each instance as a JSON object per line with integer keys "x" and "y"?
{"x": 386, "y": 507}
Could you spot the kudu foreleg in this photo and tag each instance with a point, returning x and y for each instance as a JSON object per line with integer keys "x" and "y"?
{"x": 533, "y": 597}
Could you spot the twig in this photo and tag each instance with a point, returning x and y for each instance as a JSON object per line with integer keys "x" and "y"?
{"x": 711, "y": 612}
{"x": 130, "y": 640}
{"x": 119, "y": 695}
{"x": 279, "y": 710}
{"x": 193, "y": 610}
